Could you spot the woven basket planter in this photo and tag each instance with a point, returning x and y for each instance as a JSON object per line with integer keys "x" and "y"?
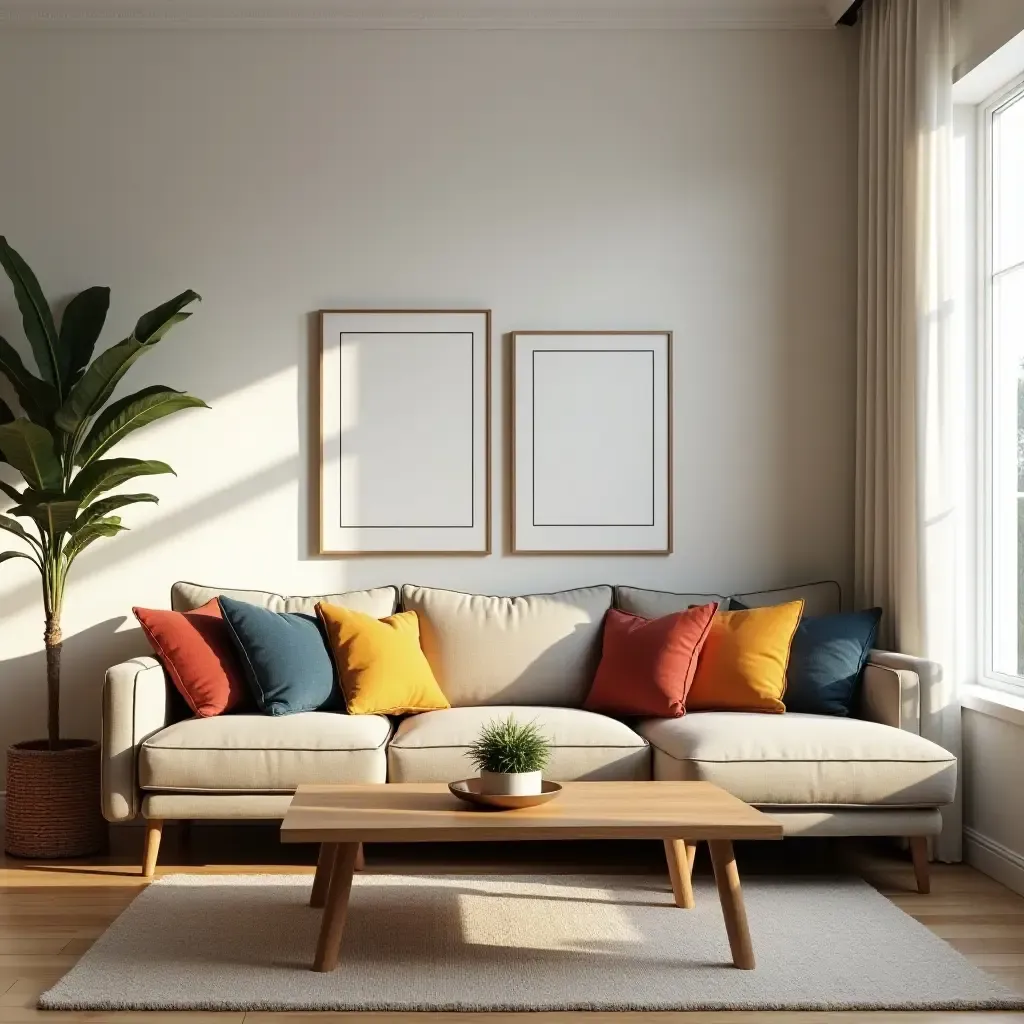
{"x": 53, "y": 800}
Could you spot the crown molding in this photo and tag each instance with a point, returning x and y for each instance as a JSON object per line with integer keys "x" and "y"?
{"x": 618, "y": 15}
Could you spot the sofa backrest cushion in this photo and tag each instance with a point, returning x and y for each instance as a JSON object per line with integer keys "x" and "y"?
{"x": 379, "y": 602}
{"x": 824, "y": 598}
{"x": 538, "y": 649}
{"x": 653, "y": 604}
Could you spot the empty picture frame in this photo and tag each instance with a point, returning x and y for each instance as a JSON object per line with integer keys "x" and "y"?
{"x": 591, "y": 442}
{"x": 405, "y": 432}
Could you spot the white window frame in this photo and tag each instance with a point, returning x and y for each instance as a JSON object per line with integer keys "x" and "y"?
{"x": 987, "y": 407}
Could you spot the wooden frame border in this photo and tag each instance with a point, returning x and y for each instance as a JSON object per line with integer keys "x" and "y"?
{"x": 514, "y": 335}
{"x": 487, "y": 550}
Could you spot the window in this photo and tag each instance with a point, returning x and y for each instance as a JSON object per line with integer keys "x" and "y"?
{"x": 1002, "y": 310}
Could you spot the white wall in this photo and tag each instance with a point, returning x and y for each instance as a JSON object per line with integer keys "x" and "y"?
{"x": 993, "y": 797}
{"x": 701, "y": 182}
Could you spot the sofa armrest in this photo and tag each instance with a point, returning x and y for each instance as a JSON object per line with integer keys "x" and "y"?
{"x": 136, "y": 704}
{"x": 891, "y": 689}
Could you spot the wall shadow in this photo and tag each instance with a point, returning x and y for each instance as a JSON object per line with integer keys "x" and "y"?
{"x": 86, "y": 657}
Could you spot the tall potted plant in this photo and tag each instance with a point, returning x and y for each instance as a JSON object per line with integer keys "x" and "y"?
{"x": 58, "y": 444}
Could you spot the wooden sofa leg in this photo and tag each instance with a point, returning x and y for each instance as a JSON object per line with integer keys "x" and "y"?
{"x": 154, "y": 830}
{"x": 360, "y": 858}
{"x": 919, "y": 854}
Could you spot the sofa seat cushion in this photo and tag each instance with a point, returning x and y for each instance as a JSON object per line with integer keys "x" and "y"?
{"x": 432, "y": 747}
{"x": 802, "y": 760}
{"x": 261, "y": 754}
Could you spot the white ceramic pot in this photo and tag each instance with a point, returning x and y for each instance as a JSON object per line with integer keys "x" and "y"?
{"x": 510, "y": 783}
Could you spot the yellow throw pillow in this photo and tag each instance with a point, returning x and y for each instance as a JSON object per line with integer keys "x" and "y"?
{"x": 380, "y": 664}
{"x": 742, "y": 665}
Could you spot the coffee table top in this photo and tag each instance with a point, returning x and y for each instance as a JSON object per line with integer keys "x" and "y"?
{"x": 425, "y": 812}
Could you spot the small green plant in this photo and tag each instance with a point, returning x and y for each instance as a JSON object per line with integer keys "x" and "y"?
{"x": 510, "y": 747}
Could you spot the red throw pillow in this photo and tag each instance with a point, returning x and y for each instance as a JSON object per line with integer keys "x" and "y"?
{"x": 647, "y": 665}
{"x": 197, "y": 652}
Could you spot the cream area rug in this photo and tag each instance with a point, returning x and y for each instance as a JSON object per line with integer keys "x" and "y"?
{"x": 245, "y": 942}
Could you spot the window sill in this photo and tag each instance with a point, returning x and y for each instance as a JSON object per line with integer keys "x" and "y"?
{"x": 987, "y": 700}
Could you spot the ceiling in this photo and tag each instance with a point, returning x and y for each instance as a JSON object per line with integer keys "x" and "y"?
{"x": 425, "y": 14}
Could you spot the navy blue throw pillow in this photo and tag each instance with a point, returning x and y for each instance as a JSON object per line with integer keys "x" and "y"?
{"x": 826, "y": 661}
{"x": 285, "y": 657}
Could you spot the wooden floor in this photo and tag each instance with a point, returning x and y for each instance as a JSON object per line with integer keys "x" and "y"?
{"x": 51, "y": 913}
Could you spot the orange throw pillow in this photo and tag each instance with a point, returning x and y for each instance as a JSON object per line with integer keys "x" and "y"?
{"x": 197, "y": 652}
{"x": 647, "y": 665}
{"x": 743, "y": 664}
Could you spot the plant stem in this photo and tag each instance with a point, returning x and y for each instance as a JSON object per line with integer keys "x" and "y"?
{"x": 53, "y": 601}
{"x": 52, "y": 637}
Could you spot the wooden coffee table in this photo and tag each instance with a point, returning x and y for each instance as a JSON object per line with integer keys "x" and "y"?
{"x": 681, "y": 814}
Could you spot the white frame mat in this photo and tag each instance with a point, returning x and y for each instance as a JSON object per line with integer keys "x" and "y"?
{"x": 405, "y": 442}
{"x": 592, "y": 442}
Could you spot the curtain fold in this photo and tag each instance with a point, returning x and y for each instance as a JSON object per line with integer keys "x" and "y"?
{"x": 912, "y": 511}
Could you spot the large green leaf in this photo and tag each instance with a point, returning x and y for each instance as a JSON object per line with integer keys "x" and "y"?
{"x": 6, "y": 556}
{"x": 79, "y": 330}
{"x": 91, "y": 393}
{"x": 152, "y": 326}
{"x": 94, "y": 531}
{"x": 6, "y": 416}
{"x": 120, "y": 419}
{"x": 97, "y": 384}
{"x": 35, "y": 313}
{"x": 12, "y": 492}
{"x": 37, "y": 398}
{"x": 13, "y": 526}
{"x": 106, "y": 474}
{"x": 52, "y": 516}
{"x": 30, "y": 449}
{"x": 105, "y": 506}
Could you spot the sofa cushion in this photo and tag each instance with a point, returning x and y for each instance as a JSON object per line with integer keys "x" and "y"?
{"x": 432, "y": 747}
{"x": 380, "y": 663}
{"x": 542, "y": 649}
{"x": 742, "y": 666}
{"x": 824, "y": 598}
{"x": 285, "y": 658}
{"x": 378, "y": 602}
{"x": 260, "y": 754}
{"x": 647, "y": 665}
{"x": 827, "y": 659}
{"x": 197, "y": 652}
{"x": 653, "y": 604}
{"x": 794, "y": 760}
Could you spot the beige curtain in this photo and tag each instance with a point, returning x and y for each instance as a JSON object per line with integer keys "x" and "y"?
{"x": 911, "y": 511}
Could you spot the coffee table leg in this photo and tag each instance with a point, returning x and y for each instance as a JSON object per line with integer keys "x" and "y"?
{"x": 328, "y": 944}
{"x": 727, "y": 878}
{"x": 679, "y": 855}
{"x": 322, "y": 878}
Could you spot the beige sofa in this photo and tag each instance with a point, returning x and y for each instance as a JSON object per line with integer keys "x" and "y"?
{"x": 820, "y": 776}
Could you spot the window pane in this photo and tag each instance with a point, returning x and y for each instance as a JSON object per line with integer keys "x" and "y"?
{"x": 1008, "y": 185}
{"x": 1008, "y": 472}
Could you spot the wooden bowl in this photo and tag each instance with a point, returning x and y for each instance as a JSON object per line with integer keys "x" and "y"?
{"x": 468, "y": 790}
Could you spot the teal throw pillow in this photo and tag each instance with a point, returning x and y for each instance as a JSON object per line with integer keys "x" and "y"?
{"x": 285, "y": 658}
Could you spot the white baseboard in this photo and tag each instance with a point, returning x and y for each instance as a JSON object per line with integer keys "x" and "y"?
{"x": 1002, "y": 863}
